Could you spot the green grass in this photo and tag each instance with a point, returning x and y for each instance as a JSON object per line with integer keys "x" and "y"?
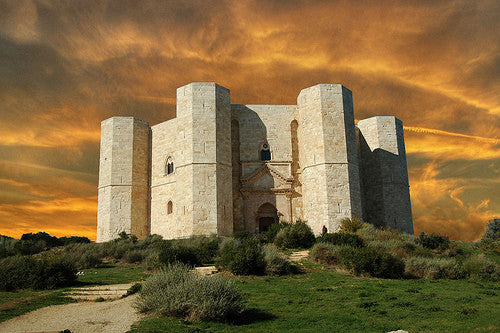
{"x": 112, "y": 274}
{"x": 13, "y": 304}
{"x": 322, "y": 300}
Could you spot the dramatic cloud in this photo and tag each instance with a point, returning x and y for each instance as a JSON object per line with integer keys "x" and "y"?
{"x": 67, "y": 65}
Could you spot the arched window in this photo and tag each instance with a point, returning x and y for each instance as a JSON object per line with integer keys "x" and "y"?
{"x": 169, "y": 166}
{"x": 170, "y": 207}
{"x": 265, "y": 152}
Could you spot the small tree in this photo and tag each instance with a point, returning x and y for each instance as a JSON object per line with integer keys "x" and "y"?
{"x": 492, "y": 230}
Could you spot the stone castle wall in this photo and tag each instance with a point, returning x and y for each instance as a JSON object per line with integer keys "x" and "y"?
{"x": 322, "y": 167}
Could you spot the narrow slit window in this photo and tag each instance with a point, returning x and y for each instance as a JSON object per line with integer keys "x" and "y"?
{"x": 170, "y": 207}
{"x": 265, "y": 152}
{"x": 169, "y": 166}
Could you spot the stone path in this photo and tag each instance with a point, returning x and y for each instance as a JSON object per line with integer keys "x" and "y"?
{"x": 114, "y": 316}
{"x": 299, "y": 255}
{"x": 208, "y": 270}
{"x": 109, "y": 292}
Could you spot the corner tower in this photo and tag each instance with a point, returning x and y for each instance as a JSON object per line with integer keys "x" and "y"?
{"x": 328, "y": 156}
{"x": 199, "y": 189}
{"x": 123, "y": 192}
{"x": 386, "y": 194}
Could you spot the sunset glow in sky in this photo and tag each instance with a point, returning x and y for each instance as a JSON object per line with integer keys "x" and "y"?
{"x": 67, "y": 65}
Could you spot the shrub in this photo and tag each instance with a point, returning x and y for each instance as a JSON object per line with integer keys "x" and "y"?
{"x": 276, "y": 263}
{"x": 368, "y": 260}
{"x": 152, "y": 259}
{"x": 177, "y": 291}
{"x": 492, "y": 230}
{"x": 26, "y": 272}
{"x": 434, "y": 241}
{"x": 204, "y": 247}
{"x": 73, "y": 240}
{"x": 341, "y": 239}
{"x": 348, "y": 225}
{"x": 175, "y": 253}
{"x": 477, "y": 267}
{"x": 325, "y": 253}
{"x": 242, "y": 234}
{"x": 7, "y": 245}
{"x": 88, "y": 259}
{"x": 396, "y": 246}
{"x": 433, "y": 268}
{"x": 133, "y": 256}
{"x": 49, "y": 240}
{"x": 150, "y": 241}
{"x": 296, "y": 235}
{"x": 269, "y": 235}
{"x": 29, "y": 247}
{"x": 368, "y": 232}
{"x": 241, "y": 257}
{"x": 135, "y": 288}
{"x": 82, "y": 255}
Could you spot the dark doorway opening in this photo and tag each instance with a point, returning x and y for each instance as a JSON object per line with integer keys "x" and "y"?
{"x": 265, "y": 223}
{"x": 266, "y": 215}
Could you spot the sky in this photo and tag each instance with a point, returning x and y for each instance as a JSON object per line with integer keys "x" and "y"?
{"x": 67, "y": 65}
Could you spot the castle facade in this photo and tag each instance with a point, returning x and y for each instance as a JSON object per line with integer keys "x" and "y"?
{"x": 219, "y": 167}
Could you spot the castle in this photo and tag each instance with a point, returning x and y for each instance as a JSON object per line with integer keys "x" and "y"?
{"x": 218, "y": 167}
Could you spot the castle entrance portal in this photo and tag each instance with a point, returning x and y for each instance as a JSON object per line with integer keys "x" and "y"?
{"x": 266, "y": 215}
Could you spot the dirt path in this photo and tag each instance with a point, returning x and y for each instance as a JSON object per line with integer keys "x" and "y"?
{"x": 116, "y": 316}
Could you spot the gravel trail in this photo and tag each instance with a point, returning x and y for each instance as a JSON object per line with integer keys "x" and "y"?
{"x": 115, "y": 316}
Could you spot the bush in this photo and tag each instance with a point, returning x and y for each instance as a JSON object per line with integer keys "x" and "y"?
{"x": 242, "y": 234}
{"x": 29, "y": 247}
{"x": 49, "y": 240}
{"x": 151, "y": 241}
{"x": 348, "y": 225}
{"x": 269, "y": 235}
{"x": 492, "y": 230}
{"x": 341, "y": 239}
{"x": 477, "y": 267}
{"x": 26, "y": 272}
{"x": 433, "y": 268}
{"x": 434, "y": 241}
{"x": 296, "y": 235}
{"x": 175, "y": 253}
{"x": 7, "y": 245}
{"x": 399, "y": 247}
{"x": 325, "y": 253}
{"x": 135, "y": 288}
{"x": 276, "y": 263}
{"x": 82, "y": 255}
{"x": 204, "y": 247}
{"x": 177, "y": 291}
{"x": 368, "y": 260}
{"x": 73, "y": 240}
{"x": 88, "y": 259}
{"x": 133, "y": 256}
{"x": 241, "y": 257}
{"x": 368, "y": 232}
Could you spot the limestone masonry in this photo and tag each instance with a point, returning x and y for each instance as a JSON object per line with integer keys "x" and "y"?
{"x": 218, "y": 167}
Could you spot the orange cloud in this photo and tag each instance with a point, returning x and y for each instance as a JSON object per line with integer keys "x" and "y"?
{"x": 432, "y": 64}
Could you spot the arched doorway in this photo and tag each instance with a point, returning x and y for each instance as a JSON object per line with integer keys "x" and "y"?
{"x": 266, "y": 215}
